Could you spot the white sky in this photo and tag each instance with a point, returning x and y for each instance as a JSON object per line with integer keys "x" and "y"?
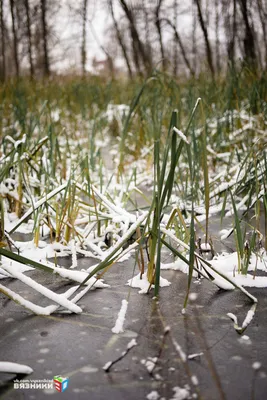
{"x": 69, "y": 32}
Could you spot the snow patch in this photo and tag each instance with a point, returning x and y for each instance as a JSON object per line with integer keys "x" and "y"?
{"x": 153, "y": 395}
{"x": 118, "y": 328}
{"x": 256, "y": 365}
{"x": 180, "y": 393}
{"x": 144, "y": 284}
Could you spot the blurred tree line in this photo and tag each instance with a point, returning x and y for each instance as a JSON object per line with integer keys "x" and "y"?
{"x": 181, "y": 37}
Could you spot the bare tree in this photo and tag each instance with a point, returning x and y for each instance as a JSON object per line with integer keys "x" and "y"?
{"x": 249, "y": 40}
{"x": 231, "y": 51}
{"x": 83, "y": 47}
{"x": 180, "y": 43}
{"x": 175, "y": 47}
{"x": 121, "y": 40}
{"x": 206, "y": 37}
{"x": 137, "y": 45}
{"x": 45, "y": 37}
{"x": 148, "y": 47}
{"x": 29, "y": 34}
{"x": 194, "y": 37}
{"x": 229, "y": 13}
{"x": 262, "y": 10}
{"x": 15, "y": 39}
{"x": 158, "y": 27}
{"x": 217, "y": 21}
{"x": 3, "y": 51}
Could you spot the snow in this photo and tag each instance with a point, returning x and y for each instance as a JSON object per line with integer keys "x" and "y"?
{"x": 44, "y": 291}
{"x": 74, "y": 254}
{"x": 44, "y": 350}
{"x": 179, "y": 350}
{"x": 233, "y": 317}
{"x": 131, "y": 344}
{"x": 4, "y": 274}
{"x": 245, "y": 340}
{"x": 195, "y": 355}
{"x": 6, "y": 262}
{"x": 256, "y": 365}
{"x": 194, "y": 380}
{"x": 180, "y": 393}
{"x": 150, "y": 363}
{"x": 128, "y": 233}
{"x": 247, "y": 320}
{"x": 117, "y": 111}
{"x": 249, "y": 317}
{"x": 29, "y": 250}
{"x": 19, "y": 142}
{"x": 79, "y": 276}
{"x": 181, "y": 135}
{"x": 43, "y": 251}
{"x": 115, "y": 209}
{"x": 118, "y": 328}
{"x": 229, "y": 262}
{"x": 193, "y": 296}
{"x": 107, "y": 365}
{"x": 205, "y": 246}
{"x": 25, "y": 303}
{"x": 226, "y": 265}
{"x": 14, "y": 368}
{"x": 88, "y": 369}
{"x": 178, "y": 265}
{"x": 144, "y": 284}
{"x": 153, "y": 395}
{"x": 245, "y": 337}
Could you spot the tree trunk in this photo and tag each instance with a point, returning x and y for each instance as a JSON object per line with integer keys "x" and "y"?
{"x": 29, "y": 32}
{"x": 231, "y": 47}
{"x": 158, "y": 27}
{"x": 138, "y": 47}
{"x": 206, "y": 37}
{"x": 148, "y": 47}
{"x": 175, "y": 47}
{"x": 263, "y": 18}
{"x": 217, "y": 21}
{"x": 194, "y": 38}
{"x": 83, "y": 48}
{"x": 179, "y": 41}
{"x": 121, "y": 41}
{"x": 15, "y": 39}
{"x": 136, "y": 58}
{"x": 230, "y": 27}
{"x": 3, "y": 52}
{"x": 249, "y": 40}
{"x": 45, "y": 38}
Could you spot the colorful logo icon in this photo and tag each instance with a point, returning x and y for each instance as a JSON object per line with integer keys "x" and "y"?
{"x": 61, "y": 383}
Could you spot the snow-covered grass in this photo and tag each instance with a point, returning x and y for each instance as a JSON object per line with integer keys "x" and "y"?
{"x": 14, "y": 368}
{"x": 76, "y": 172}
